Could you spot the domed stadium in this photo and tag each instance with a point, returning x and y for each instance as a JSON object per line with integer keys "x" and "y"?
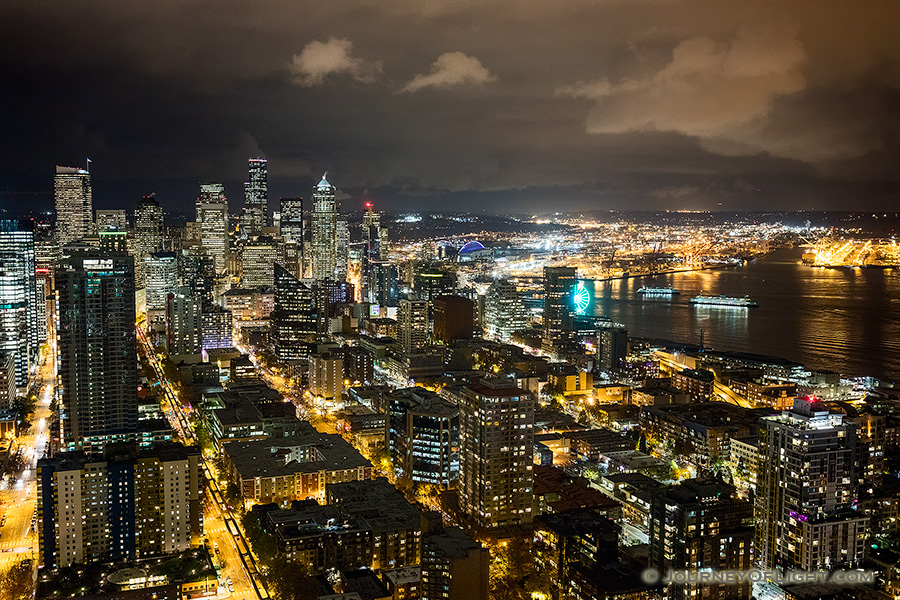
{"x": 473, "y": 246}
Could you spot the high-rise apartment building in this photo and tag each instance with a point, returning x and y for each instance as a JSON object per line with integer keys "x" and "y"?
{"x": 125, "y": 505}
{"x": 256, "y": 198}
{"x": 148, "y": 233}
{"x": 258, "y": 258}
{"x": 412, "y": 324}
{"x": 559, "y": 318}
{"x": 183, "y": 322}
{"x": 496, "y": 421}
{"x": 613, "y": 348}
{"x": 806, "y": 491}
{"x": 323, "y": 222}
{"x": 20, "y": 331}
{"x": 97, "y": 351}
{"x": 326, "y": 375}
{"x": 212, "y": 217}
{"x": 432, "y": 442}
{"x": 293, "y": 318}
{"x": 504, "y": 310}
{"x": 701, "y": 525}
{"x": 74, "y": 204}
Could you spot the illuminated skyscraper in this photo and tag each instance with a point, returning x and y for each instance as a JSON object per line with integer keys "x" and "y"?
{"x": 293, "y": 318}
{"x": 148, "y": 233}
{"x": 323, "y": 246}
{"x": 162, "y": 280}
{"x": 74, "y": 205}
{"x": 96, "y": 350}
{"x": 496, "y": 422}
{"x": 212, "y": 215}
{"x": 412, "y": 324}
{"x": 291, "y": 211}
{"x": 504, "y": 310}
{"x": 341, "y": 248}
{"x": 20, "y": 332}
{"x": 806, "y": 491}
{"x": 256, "y": 198}
{"x": 183, "y": 322}
{"x": 701, "y": 525}
{"x": 258, "y": 258}
{"x": 559, "y": 319}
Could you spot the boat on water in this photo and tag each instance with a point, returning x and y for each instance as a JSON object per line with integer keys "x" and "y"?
{"x": 658, "y": 291}
{"x": 724, "y": 301}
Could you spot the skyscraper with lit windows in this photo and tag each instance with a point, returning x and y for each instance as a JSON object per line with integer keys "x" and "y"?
{"x": 148, "y": 233}
{"x": 74, "y": 204}
{"x": 20, "y": 332}
{"x": 323, "y": 222}
{"x": 256, "y": 198}
{"x": 212, "y": 216}
{"x": 807, "y": 490}
{"x": 97, "y": 350}
{"x": 496, "y": 421}
{"x": 559, "y": 318}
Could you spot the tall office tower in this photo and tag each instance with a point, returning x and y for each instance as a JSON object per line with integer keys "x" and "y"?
{"x": 454, "y": 318}
{"x": 432, "y": 442}
{"x": 613, "y": 348}
{"x": 111, "y": 220}
{"x": 183, "y": 322}
{"x": 162, "y": 280}
{"x": 256, "y": 198}
{"x": 326, "y": 375}
{"x": 329, "y": 294}
{"x": 293, "y": 318}
{"x": 429, "y": 283}
{"x": 46, "y": 258}
{"x": 20, "y": 331}
{"x": 293, "y": 229}
{"x": 198, "y": 272}
{"x": 701, "y": 525}
{"x": 496, "y": 433}
{"x": 383, "y": 283}
{"x": 412, "y": 324}
{"x": 7, "y": 378}
{"x": 216, "y": 327}
{"x": 258, "y": 259}
{"x": 74, "y": 206}
{"x": 806, "y": 491}
{"x": 148, "y": 233}
{"x": 372, "y": 233}
{"x": 323, "y": 222}
{"x": 212, "y": 215}
{"x": 341, "y": 248}
{"x": 559, "y": 320}
{"x": 504, "y": 310}
{"x": 96, "y": 350}
{"x": 125, "y": 506}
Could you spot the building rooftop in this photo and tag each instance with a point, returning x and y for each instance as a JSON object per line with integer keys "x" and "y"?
{"x": 452, "y": 542}
{"x": 277, "y": 457}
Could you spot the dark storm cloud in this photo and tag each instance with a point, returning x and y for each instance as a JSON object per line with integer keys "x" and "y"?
{"x": 572, "y": 104}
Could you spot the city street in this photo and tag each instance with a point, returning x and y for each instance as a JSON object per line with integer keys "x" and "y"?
{"x": 220, "y": 525}
{"x": 18, "y": 502}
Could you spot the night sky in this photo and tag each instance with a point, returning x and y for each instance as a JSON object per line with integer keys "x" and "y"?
{"x": 500, "y": 106}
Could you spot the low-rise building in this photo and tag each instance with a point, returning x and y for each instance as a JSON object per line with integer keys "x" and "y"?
{"x": 293, "y": 468}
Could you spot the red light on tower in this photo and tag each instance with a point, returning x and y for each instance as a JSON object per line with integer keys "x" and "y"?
{"x": 368, "y": 205}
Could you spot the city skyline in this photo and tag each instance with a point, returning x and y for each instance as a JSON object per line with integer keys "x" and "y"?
{"x": 648, "y": 105}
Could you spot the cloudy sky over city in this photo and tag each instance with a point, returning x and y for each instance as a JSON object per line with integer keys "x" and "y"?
{"x": 501, "y": 106}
